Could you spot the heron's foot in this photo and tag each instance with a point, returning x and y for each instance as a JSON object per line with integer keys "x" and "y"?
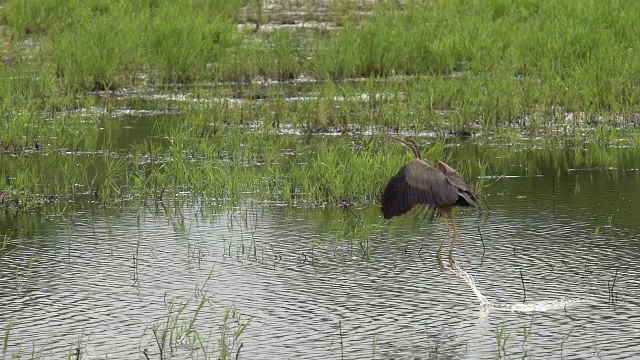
{"x": 452, "y": 262}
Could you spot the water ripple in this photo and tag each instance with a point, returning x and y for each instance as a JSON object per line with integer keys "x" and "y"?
{"x": 309, "y": 296}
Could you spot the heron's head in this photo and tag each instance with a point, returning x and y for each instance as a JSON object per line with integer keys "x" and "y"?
{"x": 406, "y": 142}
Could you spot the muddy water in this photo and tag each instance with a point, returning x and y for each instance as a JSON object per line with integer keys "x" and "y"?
{"x": 319, "y": 284}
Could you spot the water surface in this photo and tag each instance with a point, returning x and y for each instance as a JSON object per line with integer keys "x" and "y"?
{"x": 321, "y": 284}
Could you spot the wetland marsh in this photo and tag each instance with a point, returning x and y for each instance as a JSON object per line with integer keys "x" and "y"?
{"x": 196, "y": 180}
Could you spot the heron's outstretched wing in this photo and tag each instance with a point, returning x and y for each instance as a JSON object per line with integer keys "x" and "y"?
{"x": 467, "y": 197}
{"x": 417, "y": 183}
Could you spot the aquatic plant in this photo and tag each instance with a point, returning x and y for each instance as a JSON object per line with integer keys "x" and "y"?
{"x": 178, "y": 332}
{"x": 233, "y": 327}
{"x": 9, "y": 348}
{"x": 502, "y": 336}
{"x": 527, "y": 330}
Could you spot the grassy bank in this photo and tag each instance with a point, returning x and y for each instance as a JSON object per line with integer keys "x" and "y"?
{"x": 556, "y": 75}
{"x": 575, "y": 54}
{"x": 507, "y": 59}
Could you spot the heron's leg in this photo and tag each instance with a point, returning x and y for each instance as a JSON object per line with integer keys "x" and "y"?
{"x": 452, "y": 261}
{"x": 448, "y": 234}
{"x": 439, "y": 253}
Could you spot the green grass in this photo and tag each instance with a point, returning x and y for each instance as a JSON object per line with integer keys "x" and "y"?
{"x": 190, "y": 159}
{"x": 502, "y": 46}
{"x": 554, "y": 75}
{"x": 486, "y": 62}
{"x": 99, "y": 45}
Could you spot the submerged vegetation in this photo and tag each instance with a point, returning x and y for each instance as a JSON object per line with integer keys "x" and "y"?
{"x": 109, "y": 101}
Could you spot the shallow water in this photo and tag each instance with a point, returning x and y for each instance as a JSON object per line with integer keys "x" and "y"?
{"x": 319, "y": 284}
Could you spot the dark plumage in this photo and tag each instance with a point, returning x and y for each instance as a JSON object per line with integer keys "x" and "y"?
{"x": 418, "y": 183}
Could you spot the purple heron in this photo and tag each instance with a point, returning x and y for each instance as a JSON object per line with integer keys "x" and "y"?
{"x": 418, "y": 183}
